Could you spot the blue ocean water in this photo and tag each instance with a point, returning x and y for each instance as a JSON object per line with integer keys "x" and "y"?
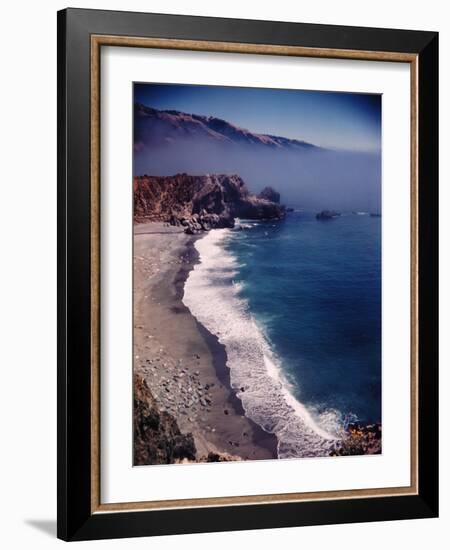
{"x": 314, "y": 287}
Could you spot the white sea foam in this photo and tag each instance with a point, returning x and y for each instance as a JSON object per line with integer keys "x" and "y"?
{"x": 244, "y": 224}
{"x": 255, "y": 371}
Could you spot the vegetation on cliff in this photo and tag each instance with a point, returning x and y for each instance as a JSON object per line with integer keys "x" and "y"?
{"x": 200, "y": 202}
{"x": 157, "y": 437}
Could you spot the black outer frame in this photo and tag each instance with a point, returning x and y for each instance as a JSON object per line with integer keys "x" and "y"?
{"x": 75, "y": 521}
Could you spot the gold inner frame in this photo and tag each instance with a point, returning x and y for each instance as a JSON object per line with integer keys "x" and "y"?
{"x": 97, "y": 41}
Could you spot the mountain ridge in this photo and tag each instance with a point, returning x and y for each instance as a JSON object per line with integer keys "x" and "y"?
{"x": 153, "y": 124}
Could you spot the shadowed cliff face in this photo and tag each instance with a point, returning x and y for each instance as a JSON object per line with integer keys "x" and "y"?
{"x": 157, "y": 437}
{"x": 200, "y": 202}
{"x": 312, "y": 177}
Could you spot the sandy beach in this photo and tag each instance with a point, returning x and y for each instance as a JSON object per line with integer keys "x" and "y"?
{"x": 183, "y": 364}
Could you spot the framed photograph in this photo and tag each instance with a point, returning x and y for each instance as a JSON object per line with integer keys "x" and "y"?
{"x": 247, "y": 254}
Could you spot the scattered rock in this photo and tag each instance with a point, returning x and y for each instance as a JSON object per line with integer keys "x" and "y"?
{"x": 157, "y": 437}
{"x": 359, "y": 440}
{"x": 327, "y": 215}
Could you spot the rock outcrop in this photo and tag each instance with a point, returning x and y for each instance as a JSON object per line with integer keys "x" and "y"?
{"x": 359, "y": 440}
{"x": 269, "y": 194}
{"x": 199, "y": 203}
{"x": 157, "y": 437}
{"x": 328, "y": 215}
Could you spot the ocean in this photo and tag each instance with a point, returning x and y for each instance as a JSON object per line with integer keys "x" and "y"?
{"x": 297, "y": 305}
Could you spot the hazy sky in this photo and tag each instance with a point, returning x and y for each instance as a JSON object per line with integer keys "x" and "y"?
{"x": 330, "y": 119}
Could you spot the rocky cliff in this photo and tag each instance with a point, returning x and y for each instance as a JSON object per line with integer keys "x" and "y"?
{"x": 200, "y": 202}
{"x": 157, "y": 437}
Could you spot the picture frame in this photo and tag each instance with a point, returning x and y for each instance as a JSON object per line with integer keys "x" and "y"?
{"x": 81, "y": 36}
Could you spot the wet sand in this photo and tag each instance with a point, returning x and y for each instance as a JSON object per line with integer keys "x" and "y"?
{"x": 183, "y": 363}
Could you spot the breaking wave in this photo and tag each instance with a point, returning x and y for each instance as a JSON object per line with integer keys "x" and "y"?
{"x": 255, "y": 371}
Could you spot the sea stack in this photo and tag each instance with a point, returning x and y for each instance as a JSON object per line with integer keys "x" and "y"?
{"x": 327, "y": 215}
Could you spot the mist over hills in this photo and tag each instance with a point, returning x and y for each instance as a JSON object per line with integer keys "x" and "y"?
{"x": 152, "y": 124}
{"x": 308, "y": 176}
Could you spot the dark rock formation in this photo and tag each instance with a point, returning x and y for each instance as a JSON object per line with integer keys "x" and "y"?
{"x": 327, "y": 215}
{"x": 157, "y": 437}
{"x": 219, "y": 457}
{"x": 360, "y": 440}
{"x": 199, "y": 203}
{"x": 269, "y": 194}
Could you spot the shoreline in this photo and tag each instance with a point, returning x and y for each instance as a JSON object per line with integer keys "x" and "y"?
{"x": 184, "y": 365}
{"x": 260, "y": 437}
{"x": 219, "y": 353}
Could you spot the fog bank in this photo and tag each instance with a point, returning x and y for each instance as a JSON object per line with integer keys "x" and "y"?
{"x": 313, "y": 179}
